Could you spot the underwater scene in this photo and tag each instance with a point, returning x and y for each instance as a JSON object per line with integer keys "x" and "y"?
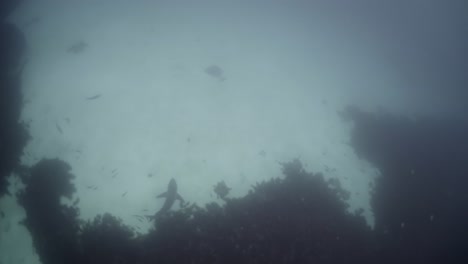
{"x": 233, "y": 131}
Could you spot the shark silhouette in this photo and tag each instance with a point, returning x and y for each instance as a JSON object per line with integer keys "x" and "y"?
{"x": 171, "y": 196}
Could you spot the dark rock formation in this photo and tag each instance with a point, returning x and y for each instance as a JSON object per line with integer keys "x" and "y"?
{"x": 420, "y": 202}
{"x": 54, "y": 227}
{"x": 13, "y": 135}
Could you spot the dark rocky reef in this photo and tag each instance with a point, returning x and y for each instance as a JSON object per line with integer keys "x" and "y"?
{"x": 107, "y": 240}
{"x": 298, "y": 219}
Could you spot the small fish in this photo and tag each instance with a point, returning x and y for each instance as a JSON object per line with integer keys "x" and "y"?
{"x": 77, "y": 47}
{"x": 113, "y": 170}
{"x": 123, "y": 195}
{"x": 32, "y": 21}
{"x": 93, "y": 97}
{"x": 58, "y": 128}
{"x": 76, "y": 201}
{"x": 7, "y": 227}
{"x": 2, "y": 214}
{"x": 216, "y": 72}
{"x": 67, "y": 120}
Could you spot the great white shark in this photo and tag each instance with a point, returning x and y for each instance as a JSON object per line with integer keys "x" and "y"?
{"x": 171, "y": 196}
